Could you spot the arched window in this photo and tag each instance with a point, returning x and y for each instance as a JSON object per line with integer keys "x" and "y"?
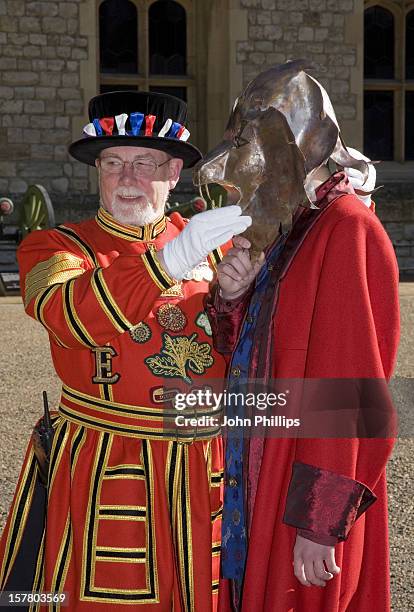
{"x": 167, "y": 38}
{"x": 149, "y": 45}
{"x": 388, "y": 81}
{"x": 379, "y": 43}
{"x": 118, "y": 36}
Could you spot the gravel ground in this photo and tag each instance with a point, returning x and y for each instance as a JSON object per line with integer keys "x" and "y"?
{"x": 26, "y": 370}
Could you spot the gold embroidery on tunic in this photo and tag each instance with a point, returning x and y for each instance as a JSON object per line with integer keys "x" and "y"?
{"x": 140, "y": 333}
{"x": 103, "y": 366}
{"x": 58, "y": 269}
{"x": 174, "y": 291}
{"x": 171, "y": 317}
{"x": 179, "y": 354}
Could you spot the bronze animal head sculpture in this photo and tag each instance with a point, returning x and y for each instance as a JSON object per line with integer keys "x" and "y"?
{"x": 281, "y": 130}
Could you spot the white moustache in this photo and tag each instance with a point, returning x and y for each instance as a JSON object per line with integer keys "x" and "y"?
{"x": 129, "y": 193}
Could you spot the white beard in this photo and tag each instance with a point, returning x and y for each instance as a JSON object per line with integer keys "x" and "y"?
{"x": 133, "y": 214}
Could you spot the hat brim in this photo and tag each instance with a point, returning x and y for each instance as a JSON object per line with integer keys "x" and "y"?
{"x": 87, "y": 149}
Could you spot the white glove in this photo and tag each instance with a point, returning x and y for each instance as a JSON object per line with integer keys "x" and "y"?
{"x": 356, "y": 178}
{"x": 205, "y": 232}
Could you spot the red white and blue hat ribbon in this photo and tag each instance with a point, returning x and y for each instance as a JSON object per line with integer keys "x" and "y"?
{"x": 139, "y": 125}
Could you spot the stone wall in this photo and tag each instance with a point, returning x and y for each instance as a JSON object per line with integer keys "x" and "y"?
{"x": 395, "y": 208}
{"x": 40, "y": 54}
{"x": 280, "y": 30}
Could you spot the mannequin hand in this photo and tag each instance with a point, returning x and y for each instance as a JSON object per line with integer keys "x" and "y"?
{"x": 310, "y": 559}
{"x": 204, "y": 233}
{"x": 235, "y": 273}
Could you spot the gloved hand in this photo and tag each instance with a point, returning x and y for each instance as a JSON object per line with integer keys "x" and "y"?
{"x": 205, "y": 232}
{"x": 356, "y": 177}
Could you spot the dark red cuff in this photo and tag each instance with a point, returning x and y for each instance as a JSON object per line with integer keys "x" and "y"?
{"x": 324, "y": 505}
{"x": 319, "y": 539}
{"x": 225, "y": 317}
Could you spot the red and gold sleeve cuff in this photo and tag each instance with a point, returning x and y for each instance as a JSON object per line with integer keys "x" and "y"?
{"x": 324, "y": 505}
{"x": 154, "y": 268}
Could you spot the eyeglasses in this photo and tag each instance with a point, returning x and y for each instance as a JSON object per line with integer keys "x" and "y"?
{"x": 140, "y": 167}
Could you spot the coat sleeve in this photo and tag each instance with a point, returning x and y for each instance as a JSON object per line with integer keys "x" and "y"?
{"x": 354, "y": 335}
{"x": 226, "y": 317}
{"x": 79, "y": 303}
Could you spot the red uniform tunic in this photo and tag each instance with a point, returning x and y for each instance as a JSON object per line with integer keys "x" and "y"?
{"x": 337, "y": 316}
{"x": 134, "y": 505}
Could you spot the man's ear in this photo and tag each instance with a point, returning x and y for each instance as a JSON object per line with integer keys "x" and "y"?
{"x": 175, "y": 167}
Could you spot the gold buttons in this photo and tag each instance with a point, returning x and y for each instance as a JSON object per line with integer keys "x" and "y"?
{"x": 236, "y": 371}
{"x": 249, "y": 319}
{"x": 270, "y": 267}
{"x": 233, "y": 482}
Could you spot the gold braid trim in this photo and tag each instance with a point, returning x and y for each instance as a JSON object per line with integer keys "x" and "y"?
{"x": 40, "y": 302}
{"x": 155, "y": 270}
{"x": 130, "y": 232}
{"x": 57, "y": 269}
{"x": 73, "y": 322}
{"x": 108, "y": 303}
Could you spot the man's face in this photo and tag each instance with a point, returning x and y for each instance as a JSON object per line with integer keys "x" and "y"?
{"x": 132, "y": 196}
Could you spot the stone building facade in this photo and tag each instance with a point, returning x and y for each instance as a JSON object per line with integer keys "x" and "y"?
{"x": 50, "y": 65}
{"x": 40, "y": 96}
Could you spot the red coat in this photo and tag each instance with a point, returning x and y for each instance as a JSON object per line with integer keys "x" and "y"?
{"x": 337, "y": 316}
{"x": 134, "y": 504}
